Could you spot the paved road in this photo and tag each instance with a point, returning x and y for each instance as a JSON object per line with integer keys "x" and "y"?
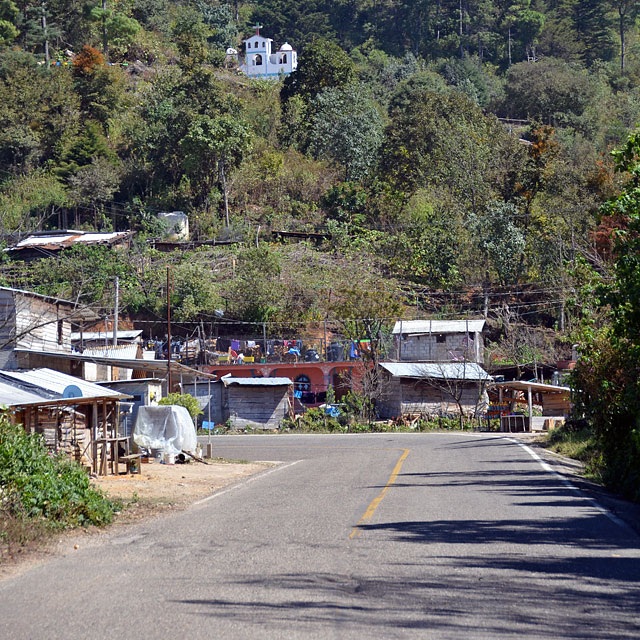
{"x": 387, "y": 536}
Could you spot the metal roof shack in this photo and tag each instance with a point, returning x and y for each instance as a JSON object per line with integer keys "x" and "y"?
{"x": 72, "y": 415}
{"x": 437, "y": 370}
{"x": 43, "y": 244}
{"x": 554, "y": 400}
{"x": 428, "y": 389}
{"x": 420, "y": 327}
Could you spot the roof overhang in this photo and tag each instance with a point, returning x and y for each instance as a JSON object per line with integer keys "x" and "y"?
{"x": 137, "y": 364}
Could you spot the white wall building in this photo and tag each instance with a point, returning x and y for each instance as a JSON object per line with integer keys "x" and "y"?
{"x": 261, "y": 62}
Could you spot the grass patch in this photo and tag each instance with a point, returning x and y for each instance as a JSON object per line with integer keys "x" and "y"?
{"x": 226, "y": 461}
{"x": 577, "y": 444}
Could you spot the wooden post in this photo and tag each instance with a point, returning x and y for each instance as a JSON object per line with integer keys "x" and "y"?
{"x": 168, "y": 330}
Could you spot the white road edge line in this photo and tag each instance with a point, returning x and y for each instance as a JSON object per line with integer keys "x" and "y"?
{"x": 571, "y": 486}
{"x": 238, "y": 485}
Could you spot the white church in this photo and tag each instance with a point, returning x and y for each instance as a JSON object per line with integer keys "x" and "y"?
{"x": 260, "y": 62}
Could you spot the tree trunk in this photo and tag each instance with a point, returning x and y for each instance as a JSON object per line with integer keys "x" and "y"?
{"x": 622, "y": 41}
{"x": 105, "y": 44}
{"x": 224, "y": 192}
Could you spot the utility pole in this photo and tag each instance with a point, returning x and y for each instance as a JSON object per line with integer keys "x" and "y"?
{"x": 46, "y": 38}
{"x": 168, "y": 330}
{"x": 116, "y": 313}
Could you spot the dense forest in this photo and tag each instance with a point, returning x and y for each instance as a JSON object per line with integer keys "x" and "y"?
{"x": 456, "y": 156}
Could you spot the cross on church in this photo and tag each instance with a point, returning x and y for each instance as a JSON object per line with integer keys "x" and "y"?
{"x": 257, "y": 28}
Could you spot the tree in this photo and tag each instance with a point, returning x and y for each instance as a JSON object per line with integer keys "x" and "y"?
{"x": 591, "y": 21}
{"x": 365, "y": 315}
{"x": 9, "y": 14}
{"x": 212, "y": 145}
{"x": 346, "y": 127}
{"x": 551, "y": 92}
{"x": 28, "y": 201}
{"x": 606, "y": 377}
{"x": 322, "y": 65}
{"x": 439, "y": 140}
{"x": 453, "y": 380}
{"x": 628, "y": 12}
{"x": 501, "y": 240}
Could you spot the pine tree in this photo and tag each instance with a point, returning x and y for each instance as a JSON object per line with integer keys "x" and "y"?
{"x": 593, "y": 27}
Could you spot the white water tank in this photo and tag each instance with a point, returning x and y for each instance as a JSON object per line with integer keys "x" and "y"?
{"x": 177, "y": 225}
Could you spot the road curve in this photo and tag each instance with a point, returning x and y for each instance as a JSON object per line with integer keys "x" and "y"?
{"x": 353, "y": 536}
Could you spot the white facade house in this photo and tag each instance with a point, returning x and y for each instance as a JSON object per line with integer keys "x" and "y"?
{"x": 261, "y": 62}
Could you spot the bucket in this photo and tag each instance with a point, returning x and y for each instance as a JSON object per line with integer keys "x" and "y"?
{"x": 169, "y": 458}
{"x": 158, "y": 454}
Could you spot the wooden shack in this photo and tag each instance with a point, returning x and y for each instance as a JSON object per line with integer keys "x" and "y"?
{"x": 432, "y": 389}
{"x": 70, "y": 413}
{"x": 255, "y": 403}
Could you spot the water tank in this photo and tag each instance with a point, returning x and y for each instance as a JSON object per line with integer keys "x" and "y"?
{"x": 177, "y": 223}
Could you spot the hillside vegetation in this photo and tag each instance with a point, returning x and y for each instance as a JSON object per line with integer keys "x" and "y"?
{"x": 455, "y": 155}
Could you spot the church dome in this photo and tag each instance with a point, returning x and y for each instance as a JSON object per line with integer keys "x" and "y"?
{"x": 286, "y": 47}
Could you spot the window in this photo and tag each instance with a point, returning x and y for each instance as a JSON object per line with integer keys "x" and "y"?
{"x": 257, "y": 61}
{"x": 441, "y": 338}
{"x": 60, "y": 331}
{"x": 302, "y": 383}
{"x": 263, "y": 45}
{"x": 284, "y": 59}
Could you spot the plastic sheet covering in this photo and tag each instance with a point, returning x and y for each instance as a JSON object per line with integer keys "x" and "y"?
{"x": 170, "y": 428}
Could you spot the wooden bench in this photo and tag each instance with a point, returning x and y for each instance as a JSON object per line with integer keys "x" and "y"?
{"x": 129, "y": 459}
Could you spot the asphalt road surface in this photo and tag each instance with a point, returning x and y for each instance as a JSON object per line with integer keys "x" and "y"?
{"x": 353, "y": 536}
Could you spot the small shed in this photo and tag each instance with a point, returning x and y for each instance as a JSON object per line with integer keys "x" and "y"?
{"x": 554, "y": 400}
{"x": 432, "y": 389}
{"x": 255, "y": 403}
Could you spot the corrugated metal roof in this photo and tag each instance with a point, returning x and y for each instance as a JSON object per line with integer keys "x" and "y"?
{"x": 523, "y": 385}
{"x": 437, "y": 370}
{"x": 12, "y": 395}
{"x": 122, "y": 351}
{"x": 61, "y": 240}
{"x": 76, "y": 336}
{"x": 45, "y": 386}
{"x": 55, "y": 382}
{"x": 256, "y": 382}
{"x": 124, "y": 363}
{"x": 38, "y": 295}
{"x": 438, "y": 326}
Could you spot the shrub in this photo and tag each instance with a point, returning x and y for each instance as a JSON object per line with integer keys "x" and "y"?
{"x": 185, "y": 400}
{"x": 34, "y": 484}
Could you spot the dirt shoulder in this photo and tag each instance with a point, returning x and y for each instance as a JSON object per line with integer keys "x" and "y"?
{"x": 158, "y": 489}
{"x": 175, "y": 485}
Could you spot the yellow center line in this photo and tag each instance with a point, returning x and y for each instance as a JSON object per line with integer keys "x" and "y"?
{"x": 371, "y": 509}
